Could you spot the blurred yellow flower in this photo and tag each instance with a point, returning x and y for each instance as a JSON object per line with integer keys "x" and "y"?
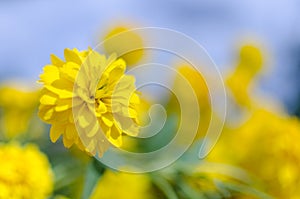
{"x": 24, "y": 172}
{"x": 128, "y": 45}
{"x": 249, "y": 64}
{"x": 86, "y": 106}
{"x": 122, "y": 185}
{"x": 18, "y": 106}
{"x": 198, "y": 84}
{"x": 267, "y": 146}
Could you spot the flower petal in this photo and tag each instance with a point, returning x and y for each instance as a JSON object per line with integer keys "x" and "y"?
{"x": 56, "y": 131}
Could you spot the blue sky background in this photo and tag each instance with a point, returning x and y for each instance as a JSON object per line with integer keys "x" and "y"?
{"x": 30, "y": 30}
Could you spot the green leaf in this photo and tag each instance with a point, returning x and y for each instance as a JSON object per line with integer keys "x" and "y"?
{"x": 190, "y": 192}
{"x": 164, "y": 186}
{"x": 244, "y": 189}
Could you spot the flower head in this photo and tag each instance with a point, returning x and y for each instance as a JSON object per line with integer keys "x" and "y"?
{"x": 17, "y": 105}
{"x": 24, "y": 172}
{"x": 134, "y": 186}
{"x": 198, "y": 85}
{"x": 89, "y": 100}
{"x": 131, "y": 49}
{"x": 249, "y": 65}
{"x": 267, "y": 146}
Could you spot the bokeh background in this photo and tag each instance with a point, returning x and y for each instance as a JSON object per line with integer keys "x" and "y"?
{"x": 256, "y": 46}
{"x": 31, "y": 30}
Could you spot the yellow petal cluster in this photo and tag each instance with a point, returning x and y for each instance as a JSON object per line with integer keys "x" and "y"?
{"x": 122, "y": 185}
{"x": 267, "y": 146}
{"x": 17, "y": 105}
{"x": 198, "y": 85}
{"x": 249, "y": 64}
{"x": 24, "y": 172}
{"x": 127, "y": 44}
{"x": 89, "y": 100}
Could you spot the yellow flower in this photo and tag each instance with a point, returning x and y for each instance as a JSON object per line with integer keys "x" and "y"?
{"x": 128, "y": 45}
{"x": 267, "y": 146}
{"x": 88, "y": 99}
{"x": 24, "y": 172}
{"x": 17, "y": 105}
{"x": 249, "y": 64}
{"x": 122, "y": 185}
{"x": 198, "y": 84}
